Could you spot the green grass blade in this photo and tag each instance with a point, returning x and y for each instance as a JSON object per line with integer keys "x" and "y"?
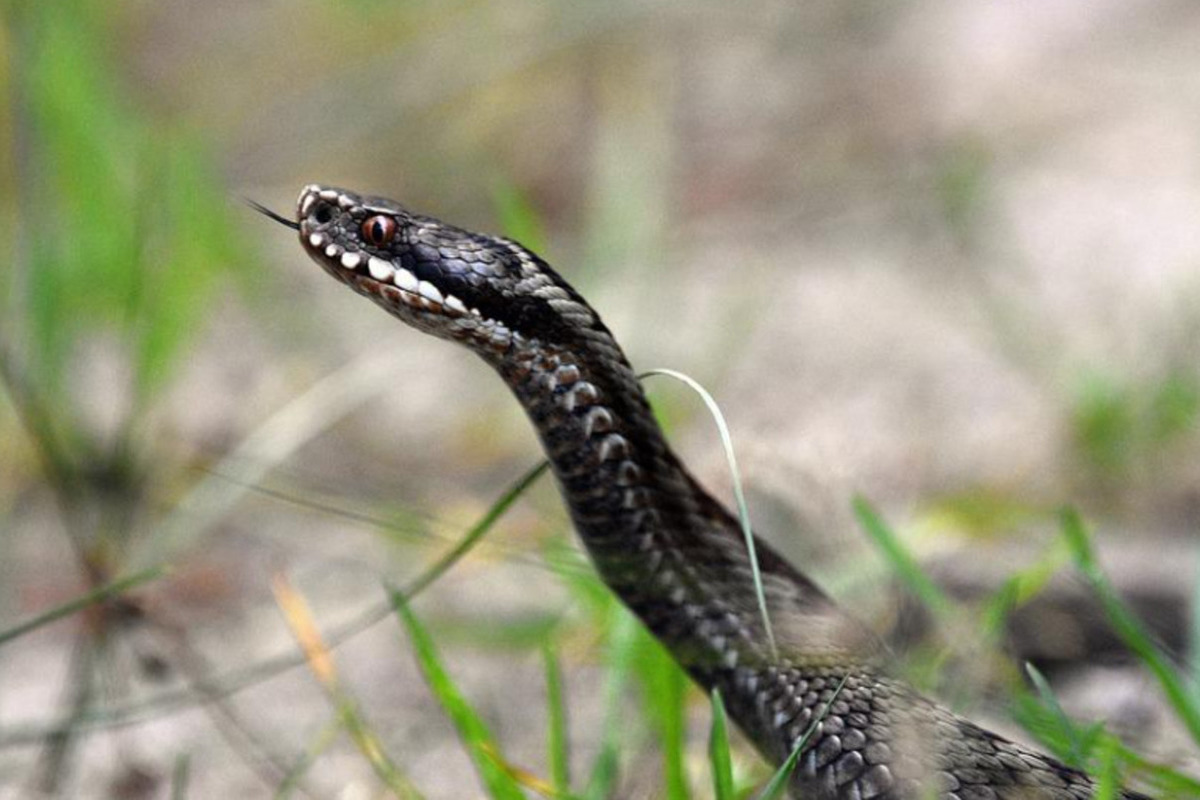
{"x": 144, "y": 262}
{"x": 777, "y": 786}
{"x": 1194, "y": 632}
{"x": 471, "y": 728}
{"x": 557, "y": 741}
{"x": 738, "y": 495}
{"x": 1128, "y": 627}
{"x": 1108, "y": 773}
{"x": 181, "y": 774}
{"x": 188, "y": 244}
{"x": 605, "y": 770}
{"x": 472, "y": 537}
{"x": 718, "y": 751}
{"x": 39, "y": 420}
{"x": 1020, "y": 588}
{"x": 1065, "y": 727}
{"x": 99, "y": 595}
{"x": 664, "y": 686}
{"x": 289, "y": 784}
{"x": 236, "y": 680}
{"x": 518, "y": 218}
{"x": 900, "y": 558}
{"x": 1161, "y": 781}
{"x": 621, "y": 631}
{"x": 367, "y": 741}
{"x": 1072, "y": 743}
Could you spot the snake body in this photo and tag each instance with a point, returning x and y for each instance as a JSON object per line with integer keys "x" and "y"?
{"x": 671, "y": 552}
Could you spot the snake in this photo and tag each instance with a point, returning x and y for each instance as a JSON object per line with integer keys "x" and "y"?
{"x": 806, "y": 676}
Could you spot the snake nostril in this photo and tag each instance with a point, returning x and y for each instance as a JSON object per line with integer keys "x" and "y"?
{"x": 322, "y": 214}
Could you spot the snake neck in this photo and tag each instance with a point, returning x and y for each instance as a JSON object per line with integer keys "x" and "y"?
{"x": 670, "y": 551}
{"x": 673, "y": 554}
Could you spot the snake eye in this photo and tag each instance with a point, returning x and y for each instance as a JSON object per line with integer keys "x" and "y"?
{"x": 379, "y": 230}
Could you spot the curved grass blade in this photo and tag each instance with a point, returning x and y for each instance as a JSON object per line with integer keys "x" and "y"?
{"x": 738, "y": 495}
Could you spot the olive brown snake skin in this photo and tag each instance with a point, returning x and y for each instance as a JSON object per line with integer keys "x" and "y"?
{"x": 671, "y": 552}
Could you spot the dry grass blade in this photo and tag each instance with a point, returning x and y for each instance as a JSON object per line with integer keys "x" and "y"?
{"x": 521, "y": 775}
{"x": 326, "y": 402}
{"x": 299, "y": 618}
{"x": 738, "y": 495}
{"x": 237, "y": 680}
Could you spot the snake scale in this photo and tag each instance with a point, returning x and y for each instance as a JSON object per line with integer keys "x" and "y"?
{"x": 671, "y": 552}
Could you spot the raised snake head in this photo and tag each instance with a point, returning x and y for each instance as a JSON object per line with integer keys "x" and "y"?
{"x": 481, "y": 290}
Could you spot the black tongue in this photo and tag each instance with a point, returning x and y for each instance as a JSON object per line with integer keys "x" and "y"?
{"x": 266, "y": 212}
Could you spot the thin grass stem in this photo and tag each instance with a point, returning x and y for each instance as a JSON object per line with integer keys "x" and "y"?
{"x": 99, "y": 595}
{"x": 738, "y": 494}
{"x": 1128, "y": 627}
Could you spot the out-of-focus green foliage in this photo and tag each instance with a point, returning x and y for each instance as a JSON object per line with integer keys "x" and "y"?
{"x": 1132, "y": 631}
{"x": 125, "y": 226}
{"x": 118, "y": 231}
{"x": 962, "y": 185}
{"x": 518, "y": 218}
{"x": 1118, "y": 425}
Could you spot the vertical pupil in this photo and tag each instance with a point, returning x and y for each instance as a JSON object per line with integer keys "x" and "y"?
{"x": 378, "y": 230}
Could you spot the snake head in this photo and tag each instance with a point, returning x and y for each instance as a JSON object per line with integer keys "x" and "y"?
{"x": 482, "y": 290}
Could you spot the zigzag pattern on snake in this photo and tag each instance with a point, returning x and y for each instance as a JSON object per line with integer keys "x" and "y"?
{"x": 671, "y": 552}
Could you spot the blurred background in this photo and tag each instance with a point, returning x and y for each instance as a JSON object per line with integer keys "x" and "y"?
{"x": 938, "y": 255}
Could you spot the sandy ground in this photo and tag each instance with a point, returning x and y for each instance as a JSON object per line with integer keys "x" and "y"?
{"x": 899, "y": 244}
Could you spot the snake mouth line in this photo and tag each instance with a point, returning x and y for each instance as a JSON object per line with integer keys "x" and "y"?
{"x": 381, "y": 277}
{"x": 825, "y": 694}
